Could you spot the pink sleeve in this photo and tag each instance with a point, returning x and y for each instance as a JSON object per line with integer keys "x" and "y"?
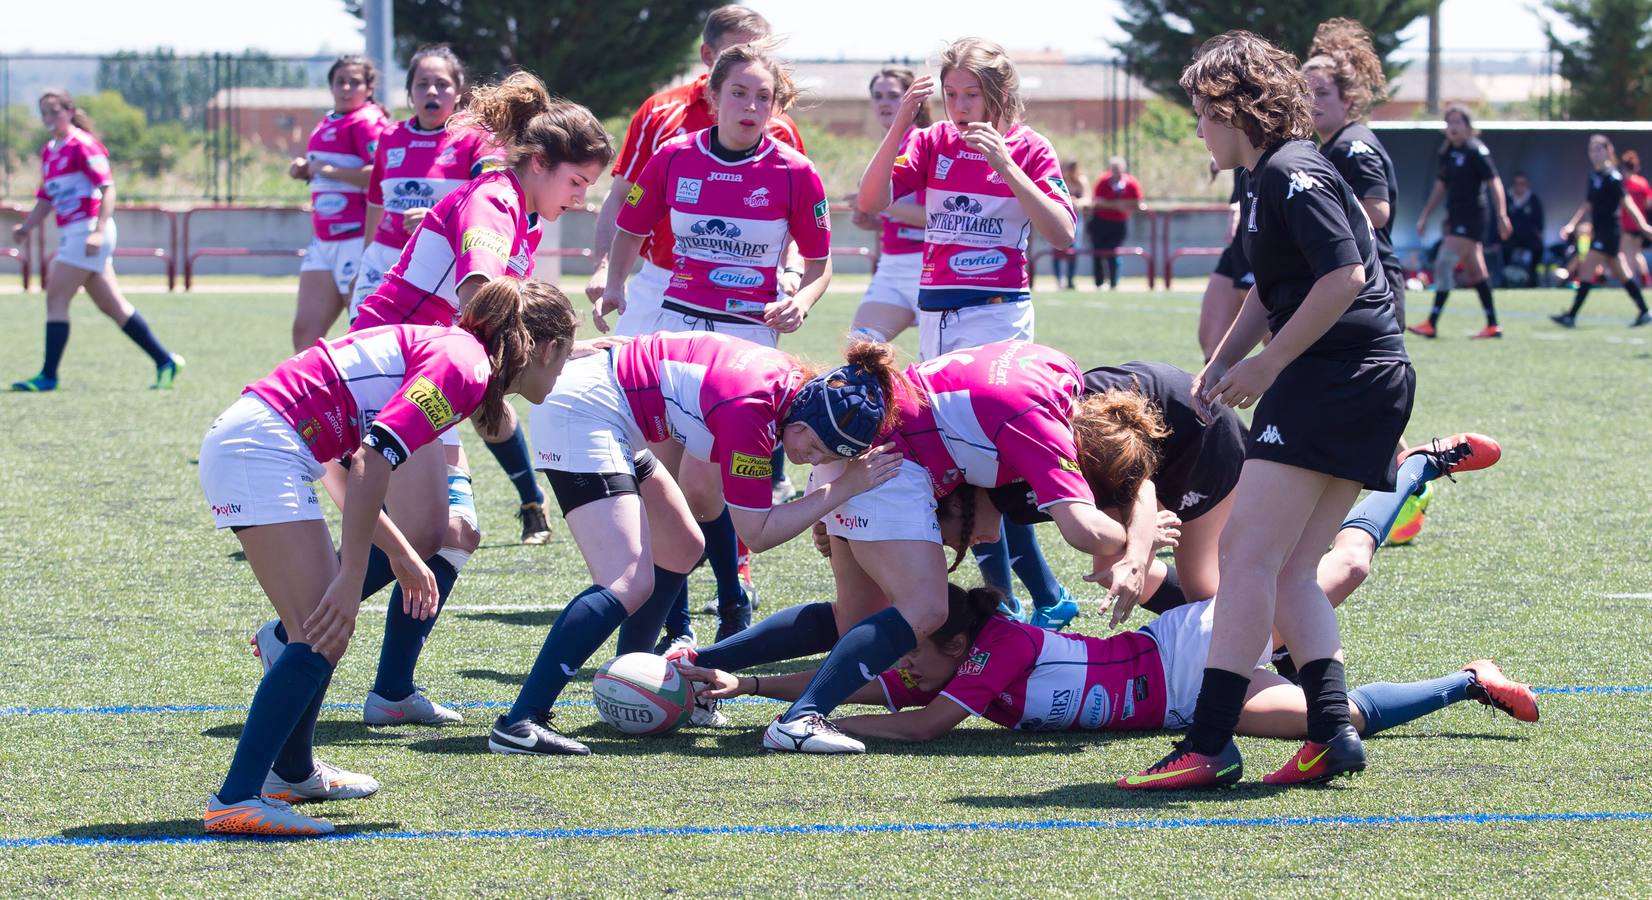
{"x": 482, "y": 232}
{"x": 366, "y": 134}
{"x": 94, "y": 161}
{"x": 1038, "y": 446}
{"x": 811, "y": 216}
{"x": 911, "y": 172}
{"x": 999, "y": 656}
{"x": 439, "y": 389}
{"x": 1045, "y": 171}
{"x": 375, "y": 183}
{"x": 645, "y": 205}
{"x": 742, "y": 446}
{"x": 899, "y": 695}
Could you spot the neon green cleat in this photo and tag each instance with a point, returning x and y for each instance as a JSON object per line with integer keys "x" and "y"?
{"x": 1410, "y": 521}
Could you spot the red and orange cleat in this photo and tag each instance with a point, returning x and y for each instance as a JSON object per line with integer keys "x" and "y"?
{"x": 1423, "y": 329}
{"x": 1495, "y": 689}
{"x": 1467, "y": 451}
{"x": 1185, "y": 770}
{"x": 1490, "y": 331}
{"x": 1318, "y": 763}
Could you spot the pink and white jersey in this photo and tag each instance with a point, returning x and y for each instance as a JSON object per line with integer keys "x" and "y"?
{"x": 414, "y": 169}
{"x": 413, "y": 381}
{"x": 995, "y": 414}
{"x": 343, "y": 142}
{"x": 73, "y": 174}
{"x": 898, "y": 237}
{"x": 730, "y": 220}
{"x": 975, "y": 236}
{"x": 1023, "y": 677}
{"x": 479, "y": 229}
{"x": 722, "y": 398}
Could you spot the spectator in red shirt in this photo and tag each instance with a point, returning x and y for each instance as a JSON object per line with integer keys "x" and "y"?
{"x": 665, "y": 115}
{"x": 1640, "y": 192}
{"x": 1116, "y": 197}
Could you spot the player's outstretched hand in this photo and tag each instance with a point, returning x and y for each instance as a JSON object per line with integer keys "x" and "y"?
{"x": 712, "y": 684}
{"x": 870, "y": 469}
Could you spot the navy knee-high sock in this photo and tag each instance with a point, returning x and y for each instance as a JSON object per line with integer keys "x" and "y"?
{"x": 378, "y": 575}
{"x": 723, "y": 556}
{"x": 1027, "y": 559}
{"x": 1486, "y": 302}
{"x": 788, "y": 634}
{"x": 1582, "y": 294}
{"x": 677, "y": 620}
{"x": 296, "y": 760}
{"x": 994, "y": 560}
{"x": 57, "y": 338}
{"x": 585, "y": 623}
{"x": 1440, "y": 298}
{"x": 1386, "y": 705}
{"x": 640, "y": 630}
{"x": 1634, "y": 291}
{"x": 287, "y": 690}
{"x": 512, "y": 454}
{"x": 866, "y": 651}
{"x": 138, "y": 330}
{"x": 1375, "y": 514}
{"x": 404, "y": 636}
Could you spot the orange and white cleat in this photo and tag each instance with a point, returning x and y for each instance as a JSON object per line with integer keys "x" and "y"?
{"x": 261, "y": 816}
{"x": 1467, "y": 451}
{"x": 1318, "y": 763}
{"x": 327, "y": 782}
{"x": 1495, "y": 689}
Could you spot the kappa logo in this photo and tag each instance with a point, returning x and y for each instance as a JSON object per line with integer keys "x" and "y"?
{"x": 227, "y": 509}
{"x": 962, "y": 205}
{"x": 759, "y": 197}
{"x": 1359, "y": 147}
{"x": 1270, "y": 435}
{"x": 1192, "y": 499}
{"x": 943, "y": 165}
{"x": 715, "y": 227}
{"x": 1301, "y": 183}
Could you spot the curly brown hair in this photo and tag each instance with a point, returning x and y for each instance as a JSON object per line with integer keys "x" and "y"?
{"x": 1118, "y": 434}
{"x": 1248, "y": 83}
{"x": 1342, "y": 50}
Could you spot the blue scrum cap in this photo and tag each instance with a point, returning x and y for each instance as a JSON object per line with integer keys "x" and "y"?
{"x": 844, "y": 407}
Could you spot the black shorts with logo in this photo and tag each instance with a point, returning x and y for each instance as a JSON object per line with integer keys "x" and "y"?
{"x": 1233, "y": 265}
{"x": 1342, "y": 417}
{"x": 1470, "y": 222}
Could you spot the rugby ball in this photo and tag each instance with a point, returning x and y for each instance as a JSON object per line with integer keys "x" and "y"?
{"x": 640, "y": 693}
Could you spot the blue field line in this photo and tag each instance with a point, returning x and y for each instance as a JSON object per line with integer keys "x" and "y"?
{"x": 560, "y": 834}
{"x": 504, "y": 704}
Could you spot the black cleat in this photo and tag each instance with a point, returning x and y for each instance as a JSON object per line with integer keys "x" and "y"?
{"x": 536, "y": 529}
{"x": 533, "y": 736}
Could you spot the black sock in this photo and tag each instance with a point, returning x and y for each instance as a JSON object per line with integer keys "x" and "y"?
{"x": 1284, "y": 664}
{"x": 791, "y": 633}
{"x": 1440, "y": 298}
{"x": 1325, "y": 684}
{"x": 1216, "y": 713}
{"x": 57, "y": 338}
{"x": 1581, "y": 295}
{"x": 138, "y": 330}
{"x": 1486, "y": 303}
{"x": 1635, "y": 293}
{"x": 512, "y": 454}
{"x": 1168, "y": 596}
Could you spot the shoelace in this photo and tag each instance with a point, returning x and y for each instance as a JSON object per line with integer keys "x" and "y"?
{"x": 1449, "y": 457}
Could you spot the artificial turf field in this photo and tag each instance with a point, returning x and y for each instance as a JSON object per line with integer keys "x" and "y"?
{"x": 125, "y": 670}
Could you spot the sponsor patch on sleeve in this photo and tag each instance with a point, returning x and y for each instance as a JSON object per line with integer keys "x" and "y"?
{"x": 634, "y": 196}
{"x": 1068, "y": 465}
{"x": 1059, "y": 183}
{"x": 900, "y": 160}
{"x": 424, "y": 394}
{"x": 823, "y": 215}
{"x": 484, "y": 239}
{"x": 744, "y": 465}
{"x": 976, "y": 663}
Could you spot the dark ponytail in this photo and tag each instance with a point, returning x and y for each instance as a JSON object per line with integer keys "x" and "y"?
{"x": 512, "y": 319}
{"x": 879, "y": 361}
{"x": 967, "y": 612}
{"x": 527, "y": 121}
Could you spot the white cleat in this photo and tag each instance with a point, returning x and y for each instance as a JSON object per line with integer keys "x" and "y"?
{"x": 810, "y": 734}
{"x": 707, "y": 715}
{"x": 414, "y": 709}
{"x": 261, "y": 816}
{"x": 265, "y": 645}
{"x": 327, "y": 782}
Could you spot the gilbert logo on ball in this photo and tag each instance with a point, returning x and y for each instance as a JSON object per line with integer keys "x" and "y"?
{"x": 640, "y": 693}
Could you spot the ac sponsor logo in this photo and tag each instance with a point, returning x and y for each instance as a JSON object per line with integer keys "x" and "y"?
{"x": 486, "y": 240}
{"x": 331, "y": 204}
{"x": 977, "y": 263}
{"x": 688, "y": 190}
{"x": 430, "y": 400}
{"x": 745, "y": 465}
{"x": 735, "y": 277}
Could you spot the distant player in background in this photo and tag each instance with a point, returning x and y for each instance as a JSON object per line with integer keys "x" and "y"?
{"x": 1116, "y": 198}
{"x": 77, "y": 187}
{"x": 890, "y": 304}
{"x": 338, "y": 164}
{"x": 1640, "y": 195}
{"x": 1466, "y": 175}
{"x": 990, "y": 181}
{"x": 1607, "y": 199}
{"x": 1068, "y": 259}
{"x": 1232, "y": 279}
{"x": 1524, "y": 246}
{"x": 419, "y": 162}
{"x": 1346, "y": 76}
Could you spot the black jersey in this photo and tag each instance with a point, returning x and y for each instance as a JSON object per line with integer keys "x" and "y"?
{"x": 1606, "y": 192}
{"x": 1238, "y": 192}
{"x": 1301, "y": 222}
{"x": 1465, "y": 171}
{"x": 1364, "y": 163}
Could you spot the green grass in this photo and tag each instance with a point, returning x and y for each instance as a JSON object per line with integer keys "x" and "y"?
{"x": 114, "y": 589}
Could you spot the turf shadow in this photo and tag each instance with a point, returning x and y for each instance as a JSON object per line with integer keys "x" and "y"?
{"x": 327, "y": 732}
{"x": 604, "y": 741}
{"x": 1105, "y": 795}
{"x": 1449, "y": 735}
{"x": 533, "y": 618}
{"x": 191, "y": 828}
{"x": 493, "y": 675}
{"x": 995, "y": 743}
